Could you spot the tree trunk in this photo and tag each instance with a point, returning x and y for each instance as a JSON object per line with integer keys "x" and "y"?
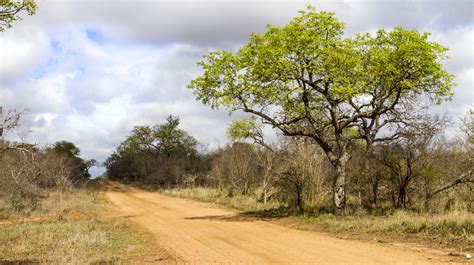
{"x": 264, "y": 192}
{"x": 2, "y": 145}
{"x": 1, "y": 123}
{"x": 401, "y": 196}
{"x": 339, "y": 188}
{"x": 375, "y": 188}
{"x": 299, "y": 196}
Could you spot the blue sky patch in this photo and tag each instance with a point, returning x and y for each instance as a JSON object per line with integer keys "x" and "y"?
{"x": 56, "y": 46}
{"x": 95, "y": 35}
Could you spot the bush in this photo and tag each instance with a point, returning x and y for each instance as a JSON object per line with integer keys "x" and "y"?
{"x": 27, "y": 173}
{"x": 24, "y": 197}
{"x": 303, "y": 183}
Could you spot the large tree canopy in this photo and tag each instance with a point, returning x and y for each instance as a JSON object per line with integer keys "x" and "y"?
{"x": 308, "y": 79}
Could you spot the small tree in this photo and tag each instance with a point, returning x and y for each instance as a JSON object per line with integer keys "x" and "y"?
{"x": 8, "y": 122}
{"x": 408, "y": 157}
{"x": 235, "y": 168}
{"x": 69, "y": 151}
{"x": 302, "y": 178}
{"x": 269, "y": 158}
{"x": 306, "y": 79}
{"x": 467, "y": 125}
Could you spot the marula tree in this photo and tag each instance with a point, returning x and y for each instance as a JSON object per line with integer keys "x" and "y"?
{"x": 308, "y": 79}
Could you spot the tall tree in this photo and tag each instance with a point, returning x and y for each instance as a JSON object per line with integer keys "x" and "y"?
{"x": 173, "y": 140}
{"x": 9, "y": 10}
{"x": 307, "y": 79}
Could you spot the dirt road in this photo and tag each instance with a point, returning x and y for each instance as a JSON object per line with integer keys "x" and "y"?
{"x": 194, "y": 232}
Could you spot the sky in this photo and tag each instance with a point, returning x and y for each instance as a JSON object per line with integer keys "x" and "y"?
{"x": 88, "y": 71}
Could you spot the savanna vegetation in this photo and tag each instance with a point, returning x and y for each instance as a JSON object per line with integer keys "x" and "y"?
{"x": 356, "y": 140}
{"x": 358, "y": 150}
{"x": 51, "y": 212}
{"x": 419, "y": 184}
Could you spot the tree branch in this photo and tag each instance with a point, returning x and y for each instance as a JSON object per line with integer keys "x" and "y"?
{"x": 464, "y": 178}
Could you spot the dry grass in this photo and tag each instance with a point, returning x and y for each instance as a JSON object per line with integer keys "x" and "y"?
{"x": 71, "y": 242}
{"x": 452, "y": 225}
{"x": 87, "y": 201}
{"x": 239, "y": 202}
{"x": 73, "y": 228}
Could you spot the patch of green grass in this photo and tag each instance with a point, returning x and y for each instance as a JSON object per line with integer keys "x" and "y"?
{"x": 120, "y": 236}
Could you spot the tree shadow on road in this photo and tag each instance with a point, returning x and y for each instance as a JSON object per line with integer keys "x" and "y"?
{"x": 250, "y": 216}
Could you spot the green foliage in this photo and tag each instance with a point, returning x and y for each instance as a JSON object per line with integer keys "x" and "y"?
{"x": 165, "y": 139}
{"x": 9, "y": 10}
{"x": 307, "y": 79}
{"x": 71, "y": 152}
{"x": 275, "y": 68}
{"x": 171, "y": 139}
{"x": 160, "y": 154}
{"x": 66, "y": 148}
{"x": 246, "y": 128}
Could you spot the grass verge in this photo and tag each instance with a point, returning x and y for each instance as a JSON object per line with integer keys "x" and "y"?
{"x": 238, "y": 202}
{"x": 81, "y": 227}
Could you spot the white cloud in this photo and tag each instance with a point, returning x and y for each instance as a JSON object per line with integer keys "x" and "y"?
{"x": 463, "y": 97}
{"x": 91, "y": 70}
{"x": 47, "y": 94}
{"x": 21, "y": 52}
{"x": 459, "y": 42}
